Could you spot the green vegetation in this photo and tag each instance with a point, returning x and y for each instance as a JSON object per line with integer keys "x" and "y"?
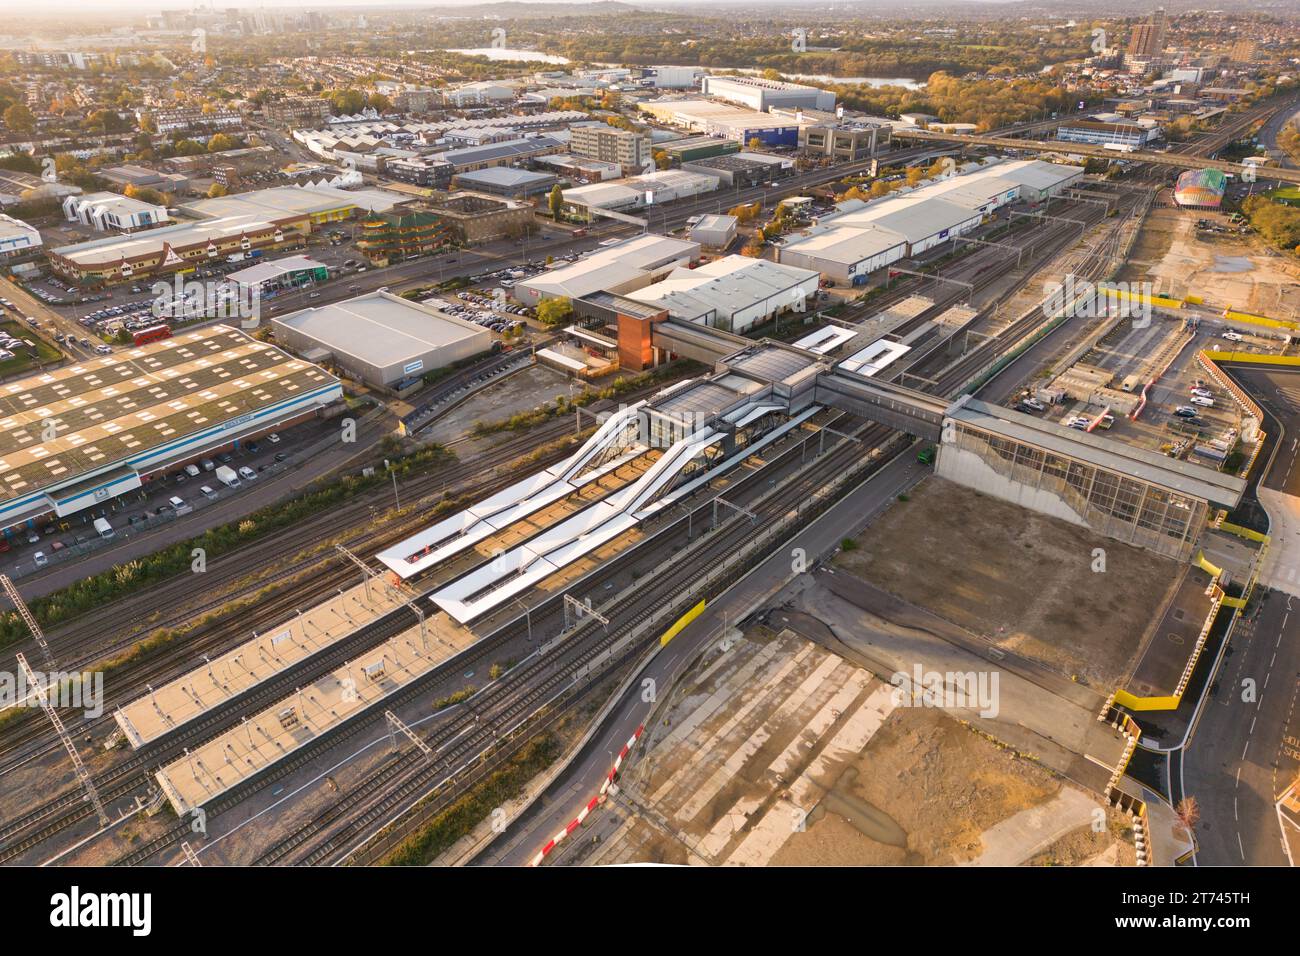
{"x": 554, "y": 311}
{"x": 988, "y": 102}
{"x": 1276, "y": 222}
{"x": 132, "y": 576}
{"x": 464, "y": 814}
{"x": 563, "y": 404}
{"x": 23, "y": 359}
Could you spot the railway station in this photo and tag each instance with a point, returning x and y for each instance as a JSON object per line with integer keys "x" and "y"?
{"x": 211, "y": 769}
{"x": 698, "y": 430}
{"x": 217, "y": 682}
{"x": 74, "y": 437}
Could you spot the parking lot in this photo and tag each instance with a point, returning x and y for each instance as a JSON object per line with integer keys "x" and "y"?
{"x": 161, "y": 500}
{"x": 1186, "y": 414}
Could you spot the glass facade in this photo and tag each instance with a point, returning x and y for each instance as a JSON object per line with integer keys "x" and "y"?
{"x": 1138, "y": 512}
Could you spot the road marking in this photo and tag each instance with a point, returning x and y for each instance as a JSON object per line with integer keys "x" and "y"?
{"x": 1240, "y": 849}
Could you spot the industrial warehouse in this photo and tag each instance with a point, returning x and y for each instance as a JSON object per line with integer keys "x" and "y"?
{"x": 382, "y": 339}
{"x": 861, "y": 237}
{"x": 566, "y": 379}
{"x": 270, "y": 218}
{"x": 75, "y": 437}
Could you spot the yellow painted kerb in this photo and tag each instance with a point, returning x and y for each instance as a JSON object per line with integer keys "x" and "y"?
{"x": 681, "y": 623}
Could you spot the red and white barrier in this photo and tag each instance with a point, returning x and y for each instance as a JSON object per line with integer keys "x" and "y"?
{"x": 593, "y": 803}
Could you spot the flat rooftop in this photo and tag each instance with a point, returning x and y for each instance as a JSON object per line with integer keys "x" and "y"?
{"x": 770, "y": 362}
{"x": 216, "y": 682}
{"x": 274, "y": 269}
{"x": 211, "y": 769}
{"x": 119, "y": 409}
{"x": 1197, "y": 481}
{"x": 380, "y": 327}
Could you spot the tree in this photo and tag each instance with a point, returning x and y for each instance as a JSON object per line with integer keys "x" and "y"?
{"x": 220, "y": 142}
{"x": 347, "y": 101}
{"x": 555, "y": 202}
{"x": 145, "y": 194}
{"x": 19, "y": 118}
{"x": 554, "y": 311}
{"x": 755, "y": 143}
{"x": 379, "y": 103}
{"x": 914, "y": 175}
{"x": 1188, "y": 813}
{"x": 216, "y": 191}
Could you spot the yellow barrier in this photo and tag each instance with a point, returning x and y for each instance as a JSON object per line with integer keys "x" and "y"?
{"x": 1240, "y": 532}
{"x": 1206, "y": 566}
{"x": 1145, "y": 703}
{"x": 1251, "y": 319}
{"x": 1194, "y": 300}
{"x": 682, "y": 621}
{"x": 1257, "y": 358}
{"x": 1159, "y": 300}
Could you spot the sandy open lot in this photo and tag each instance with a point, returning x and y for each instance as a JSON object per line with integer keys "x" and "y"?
{"x": 1017, "y": 578}
{"x": 1223, "y": 269}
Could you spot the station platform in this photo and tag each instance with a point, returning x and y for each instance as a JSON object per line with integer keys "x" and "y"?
{"x": 193, "y": 694}
{"x": 211, "y": 769}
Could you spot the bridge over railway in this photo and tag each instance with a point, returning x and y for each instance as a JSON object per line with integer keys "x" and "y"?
{"x": 1125, "y": 492}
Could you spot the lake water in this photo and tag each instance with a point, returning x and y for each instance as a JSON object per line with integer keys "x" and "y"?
{"x": 859, "y": 80}
{"x": 504, "y": 53}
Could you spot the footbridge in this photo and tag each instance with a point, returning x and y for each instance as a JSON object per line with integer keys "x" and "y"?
{"x": 904, "y": 409}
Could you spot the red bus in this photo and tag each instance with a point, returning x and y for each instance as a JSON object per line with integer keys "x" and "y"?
{"x": 151, "y": 334}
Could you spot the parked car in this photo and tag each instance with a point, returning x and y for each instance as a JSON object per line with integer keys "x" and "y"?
{"x": 1231, "y": 336}
{"x": 39, "y": 559}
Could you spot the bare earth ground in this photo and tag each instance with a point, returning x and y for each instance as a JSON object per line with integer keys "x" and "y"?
{"x": 924, "y": 789}
{"x": 1020, "y": 579}
{"x": 1224, "y": 270}
{"x": 939, "y": 781}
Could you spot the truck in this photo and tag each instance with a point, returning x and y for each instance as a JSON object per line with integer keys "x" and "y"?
{"x": 226, "y": 475}
{"x": 103, "y": 528}
{"x": 1120, "y": 147}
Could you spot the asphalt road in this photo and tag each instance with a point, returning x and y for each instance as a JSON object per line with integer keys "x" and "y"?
{"x": 1242, "y": 752}
{"x": 573, "y": 788}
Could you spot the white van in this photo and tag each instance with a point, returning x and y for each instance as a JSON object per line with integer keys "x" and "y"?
{"x": 207, "y": 492}
{"x": 1202, "y": 401}
{"x": 104, "y": 529}
{"x": 192, "y": 471}
{"x": 179, "y": 504}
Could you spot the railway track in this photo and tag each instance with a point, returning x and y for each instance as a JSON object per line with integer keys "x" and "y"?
{"x": 132, "y": 775}
{"x": 82, "y": 644}
{"x": 408, "y": 775}
{"x": 381, "y": 794}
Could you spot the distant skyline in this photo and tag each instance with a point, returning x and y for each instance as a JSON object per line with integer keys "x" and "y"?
{"x": 137, "y": 7}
